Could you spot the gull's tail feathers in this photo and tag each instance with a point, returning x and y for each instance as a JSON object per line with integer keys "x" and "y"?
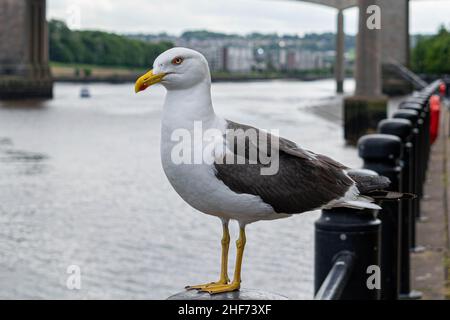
{"x": 368, "y": 201}
{"x": 372, "y": 187}
{"x": 360, "y": 203}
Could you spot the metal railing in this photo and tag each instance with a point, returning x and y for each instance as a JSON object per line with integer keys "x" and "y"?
{"x": 350, "y": 243}
{"x": 334, "y": 284}
{"x": 408, "y": 75}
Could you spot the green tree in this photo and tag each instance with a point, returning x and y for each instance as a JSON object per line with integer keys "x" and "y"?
{"x": 432, "y": 54}
{"x": 100, "y": 48}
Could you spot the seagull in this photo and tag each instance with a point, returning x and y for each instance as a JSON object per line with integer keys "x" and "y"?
{"x": 207, "y": 170}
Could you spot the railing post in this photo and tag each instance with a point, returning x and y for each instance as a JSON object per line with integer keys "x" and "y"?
{"x": 446, "y": 81}
{"x": 341, "y": 230}
{"x": 381, "y": 153}
{"x": 422, "y": 104}
{"x": 420, "y": 149}
{"x": 413, "y": 117}
{"x": 402, "y": 128}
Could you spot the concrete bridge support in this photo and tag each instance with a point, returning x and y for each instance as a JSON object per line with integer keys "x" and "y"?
{"x": 340, "y": 53}
{"x": 368, "y": 106}
{"x": 24, "y": 58}
{"x": 368, "y": 53}
{"x": 394, "y": 45}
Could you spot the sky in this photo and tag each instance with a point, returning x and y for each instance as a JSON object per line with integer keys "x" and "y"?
{"x": 229, "y": 16}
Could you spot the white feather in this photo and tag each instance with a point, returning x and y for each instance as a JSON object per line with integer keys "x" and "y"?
{"x": 360, "y": 205}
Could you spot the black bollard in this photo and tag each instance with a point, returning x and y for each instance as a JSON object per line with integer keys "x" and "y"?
{"x": 419, "y": 94}
{"x": 419, "y": 99}
{"x": 413, "y": 117}
{"x": 342, "y": 231}
{"x": 421, "y": 146}
{"x": 381, "y": 153}
{"x": 447, "y": 85}
{"x": 403, "y": 129}
{"x": 423, "y": 104}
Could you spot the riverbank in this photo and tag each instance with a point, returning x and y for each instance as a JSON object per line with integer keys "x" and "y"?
{"x": 94, "y": 74}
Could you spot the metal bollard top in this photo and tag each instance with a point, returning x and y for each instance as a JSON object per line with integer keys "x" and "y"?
{"x": 401, "y": 128}
{"x": 413, "y": 106}
{"x": 347, "y": 220}
{"x": 423, "y": 97}
{"x": 416, "y": 100}
{"x": 411, "y": 115}
{"x": 380, "y": 147}
{"x": 419, "y": 94}
{"x": 243, "y": 294}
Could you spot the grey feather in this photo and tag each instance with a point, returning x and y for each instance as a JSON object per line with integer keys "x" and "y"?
{"x": 305, "y": 181}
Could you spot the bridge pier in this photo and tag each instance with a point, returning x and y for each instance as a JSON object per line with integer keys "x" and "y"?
{"x": 394, "y": 38}
{"x": 368, "y": 106}
{"x": 340, "y": 51}
{"x": 394, "y": 45}
{"x": 24, "y": 56}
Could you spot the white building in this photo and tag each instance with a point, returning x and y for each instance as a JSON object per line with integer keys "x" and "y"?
{"x": 211, "y": 49}
{"x": 238, "y": 58}
{"x": 302, "y": 60}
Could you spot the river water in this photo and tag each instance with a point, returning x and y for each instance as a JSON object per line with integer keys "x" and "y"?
{"x": 81, "y": 184}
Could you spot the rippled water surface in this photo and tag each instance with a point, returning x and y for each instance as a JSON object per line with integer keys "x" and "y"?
{"x": 81, "y": 184}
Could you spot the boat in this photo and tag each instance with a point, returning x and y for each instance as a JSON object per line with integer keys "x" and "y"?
{"x": 85, "y": 93}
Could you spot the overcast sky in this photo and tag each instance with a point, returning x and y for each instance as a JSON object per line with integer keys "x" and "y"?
{"x": 230, "y": 16}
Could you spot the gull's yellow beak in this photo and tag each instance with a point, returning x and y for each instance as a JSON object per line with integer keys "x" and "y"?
{"x": 147, "y": 80}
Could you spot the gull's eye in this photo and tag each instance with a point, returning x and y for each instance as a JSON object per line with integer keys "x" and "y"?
{"x": 177, "y": 60}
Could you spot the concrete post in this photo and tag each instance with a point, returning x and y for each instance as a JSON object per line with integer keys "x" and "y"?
{"x": 340, "y": 51}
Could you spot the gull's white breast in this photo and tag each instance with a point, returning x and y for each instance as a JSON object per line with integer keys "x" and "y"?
{"x": 198, "y": 185}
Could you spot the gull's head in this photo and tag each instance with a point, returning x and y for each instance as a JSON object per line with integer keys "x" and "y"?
{"x": 176, "y": 68}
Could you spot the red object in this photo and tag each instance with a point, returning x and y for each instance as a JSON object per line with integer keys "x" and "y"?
{"x": 443, "y": 89}
{"x": 435, "y": 110}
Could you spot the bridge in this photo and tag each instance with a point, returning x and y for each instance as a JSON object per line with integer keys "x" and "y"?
{"x": 380, "y": 54}
{"x": 382, "y": 58}
{"x": 339, "y": 67}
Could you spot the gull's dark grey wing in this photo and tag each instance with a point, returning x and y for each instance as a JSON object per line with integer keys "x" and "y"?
{"x": 305, "y": 181}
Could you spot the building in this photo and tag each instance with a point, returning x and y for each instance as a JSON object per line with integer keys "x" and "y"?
{"x": 238, "y": 59}
{"x": 297, "y": 59}
{"x": 237, "y": 54}
{"x": 211, "y": 49}
{"x": 309, "y": 60}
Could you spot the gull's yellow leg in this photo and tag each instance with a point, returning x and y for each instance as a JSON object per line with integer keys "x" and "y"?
{"x": 224, "y": 261}
{"x": 236, "y": 283}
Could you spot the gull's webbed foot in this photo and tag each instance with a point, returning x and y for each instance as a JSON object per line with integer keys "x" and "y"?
{"x": 219, "y": 283}
{"x": 222, "y": 288}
